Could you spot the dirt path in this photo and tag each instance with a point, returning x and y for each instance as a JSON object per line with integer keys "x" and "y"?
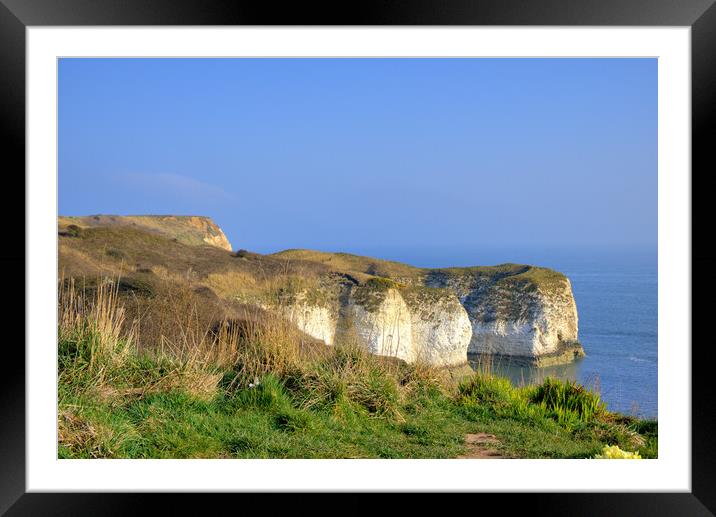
{"x": 479, "y": 447}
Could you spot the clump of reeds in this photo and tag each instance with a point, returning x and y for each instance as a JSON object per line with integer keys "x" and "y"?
{"x": 92, "y": 342}
{"x": 98, "y": 350}
{"x": 568, "y": 400}
{"x": 348, "y": 374}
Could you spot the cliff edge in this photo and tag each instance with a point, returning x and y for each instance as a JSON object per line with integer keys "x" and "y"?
{"x": 439, "y": 316}
{"x": 188, "y": 229}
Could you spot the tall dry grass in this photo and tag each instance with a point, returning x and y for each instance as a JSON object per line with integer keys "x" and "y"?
{"x": 194, "y": 352}
{"x": 91, "y": 329}
{"x": 99, "y": 349}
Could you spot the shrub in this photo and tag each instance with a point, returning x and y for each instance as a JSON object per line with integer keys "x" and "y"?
{"x": 567, "y": 401}
{"x": 71, "y": 230}
{"x": 97, "y": 350}
{"x": 494, "y": 391}
{"x": 348, "y": 373}
{"x": 115, "y": 253}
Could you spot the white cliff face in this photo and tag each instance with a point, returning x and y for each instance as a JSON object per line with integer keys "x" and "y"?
{"x": 409, "y": 324}
{"x": 384, "y": 326}
{"x": 545, "y": 322}
{"x": 521, "y": 319}
{"x": 452, "y": 315}
{"x": 441, "y": 328}
{"x": 317, "y": 322}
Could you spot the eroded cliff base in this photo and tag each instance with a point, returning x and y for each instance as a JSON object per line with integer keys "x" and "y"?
{"x": 567, "y": 353}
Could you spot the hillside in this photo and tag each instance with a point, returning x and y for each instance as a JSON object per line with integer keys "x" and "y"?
{"x": 439, "y": 315}
{"x": 172, "y": 347}
{"x": 190, "y": 229}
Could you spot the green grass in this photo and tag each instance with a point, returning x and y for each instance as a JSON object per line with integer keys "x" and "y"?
{"x": 340, "y": 407}
{"x": 150, "y": 382}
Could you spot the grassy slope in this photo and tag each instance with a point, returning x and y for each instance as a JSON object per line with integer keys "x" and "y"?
{"x": 152, "y": 405}
{"x": 151, "y": 258}
{"x": 269, "y": 422}
{"x": 116, "y": 249}
{"x": 266, "y": 396}
{"x": 360, "y": 265}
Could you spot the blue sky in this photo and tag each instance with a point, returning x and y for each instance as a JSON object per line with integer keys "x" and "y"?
{"x": 369, "y": 155}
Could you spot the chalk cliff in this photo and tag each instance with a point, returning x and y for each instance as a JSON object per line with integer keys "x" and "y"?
{"x": 527, "y": 314}
{"x": 439, "y": 316}
{"x": 391, "y": 319}
{"x": 524, "y": 312}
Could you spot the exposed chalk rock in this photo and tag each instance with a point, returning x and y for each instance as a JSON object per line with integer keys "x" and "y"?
{"x": 382, "y": 321}
{"x": 441, "y": 328}
{"x": 408, "y": 323}
{"x": 529, "y": 316}
{"x": 318, "y": 322}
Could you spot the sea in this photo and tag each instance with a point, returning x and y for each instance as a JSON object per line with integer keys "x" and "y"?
{"x": 616, "y": 296}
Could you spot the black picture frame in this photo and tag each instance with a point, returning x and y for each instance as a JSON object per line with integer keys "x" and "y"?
{"x": 700, "y": 15}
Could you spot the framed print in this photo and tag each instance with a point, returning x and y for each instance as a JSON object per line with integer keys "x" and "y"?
{"x": 419, "y": 250}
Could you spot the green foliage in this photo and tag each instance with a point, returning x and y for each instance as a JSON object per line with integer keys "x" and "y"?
{"x": 568, "y": 402}
{"x": 381, "y": 284}
{"x": 350, "y": 377}
{"x": 265, "y": 393}
{"x": 373, "y": 291}
{"x": 269, "y": 420}
{"x": 493, "y": 391}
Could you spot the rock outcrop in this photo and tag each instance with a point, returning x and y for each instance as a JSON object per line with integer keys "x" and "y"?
{"x": 390, "y": 319}
{"x": 188, "y": 229}
{"x": 441, "y": 328}
{"x": 315, "y": 321}
{"x": 381, "y": 319}
{"x": 525, "y": 313}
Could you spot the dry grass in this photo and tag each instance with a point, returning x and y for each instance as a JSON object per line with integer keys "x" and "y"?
{"x": 191, "y": 339}
{"x": 231, "y": 284}
{"x": 192, "y": 352}
{"x": 94, "y": 327}
{"x": 262, "y": 288}
{"x": 78, "y": 433}
{"x": 99, "y": 351}
{"x": 186, "y": 229}
{"x": 353, "y": 264}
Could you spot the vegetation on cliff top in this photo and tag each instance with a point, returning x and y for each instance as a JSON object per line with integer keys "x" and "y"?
{"x": 187, "y": 229}
{"x": 502, "y": 274}
{"x": 106, "y": 247}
